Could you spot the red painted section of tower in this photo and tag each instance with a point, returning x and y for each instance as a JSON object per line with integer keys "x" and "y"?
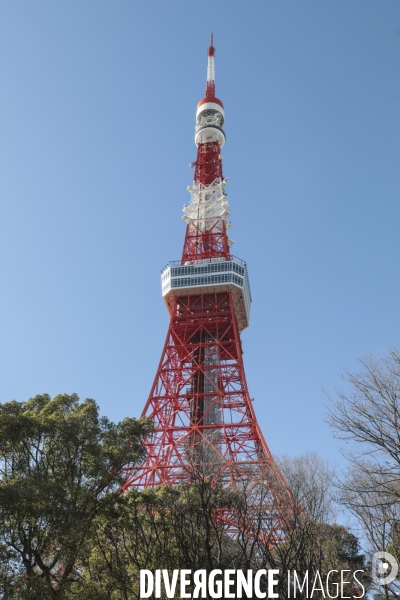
{"x": 199, "y": 400}
{"x": 208, "y": 164}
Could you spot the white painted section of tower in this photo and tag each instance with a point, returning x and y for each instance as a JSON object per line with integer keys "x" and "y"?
{"x": 208, "y": 205}
{"x": 209, "y": 134}
{"x": 207, "y": 275}
{"x": 209, "y": 106}
{"x": 211, "y": 69}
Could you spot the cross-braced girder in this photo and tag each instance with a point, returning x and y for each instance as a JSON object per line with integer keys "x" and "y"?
{"x": 200, "y": 398}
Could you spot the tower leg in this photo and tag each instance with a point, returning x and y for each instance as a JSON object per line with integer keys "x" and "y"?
{"x": 199, "y": 401}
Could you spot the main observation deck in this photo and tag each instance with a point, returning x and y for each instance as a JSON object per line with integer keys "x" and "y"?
{"x": 210, "y": 275}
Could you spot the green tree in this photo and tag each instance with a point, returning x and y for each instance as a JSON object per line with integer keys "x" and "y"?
{"x": 61, "y": 466}
{"x": 181, "y": 527}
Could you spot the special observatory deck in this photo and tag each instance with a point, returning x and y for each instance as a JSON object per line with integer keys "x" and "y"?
{"x": 210, "y": 274}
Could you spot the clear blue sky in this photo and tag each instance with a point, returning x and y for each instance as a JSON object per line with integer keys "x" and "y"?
{"x": 97, "y": 116}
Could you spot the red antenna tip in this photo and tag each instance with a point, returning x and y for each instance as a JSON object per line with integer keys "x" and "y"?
{"x": 211, "y": 48}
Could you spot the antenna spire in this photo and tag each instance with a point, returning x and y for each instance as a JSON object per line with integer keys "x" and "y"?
{"x": 210, "y": 89}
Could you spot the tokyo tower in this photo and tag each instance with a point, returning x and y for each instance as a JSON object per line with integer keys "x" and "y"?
{"x": 199, "y": 400}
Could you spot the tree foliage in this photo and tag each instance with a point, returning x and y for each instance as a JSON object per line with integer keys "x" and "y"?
{"x": 66, "y": 531}
{"x": 60, "y": 467}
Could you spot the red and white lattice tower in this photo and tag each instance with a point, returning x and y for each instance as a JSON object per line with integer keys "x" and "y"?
{"x": 199, "y": 400}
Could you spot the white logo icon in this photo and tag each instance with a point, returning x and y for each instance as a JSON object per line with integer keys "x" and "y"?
{"x": 381, "y": 563}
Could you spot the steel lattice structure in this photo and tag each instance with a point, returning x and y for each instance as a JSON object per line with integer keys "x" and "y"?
{"x": 199, "y": 400}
